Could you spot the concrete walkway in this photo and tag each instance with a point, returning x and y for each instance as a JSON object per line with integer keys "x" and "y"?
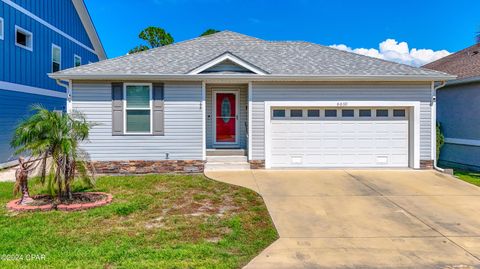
{"x": 366, "y": 218}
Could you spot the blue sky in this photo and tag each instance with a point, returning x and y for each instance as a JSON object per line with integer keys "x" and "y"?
{"x": 423, "y": 24}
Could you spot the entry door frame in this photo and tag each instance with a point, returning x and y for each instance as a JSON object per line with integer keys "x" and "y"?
{"x": 414, "y": 121}
{"x": 237, "y": 117}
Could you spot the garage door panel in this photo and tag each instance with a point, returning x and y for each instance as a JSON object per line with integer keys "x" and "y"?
{"x": 339, "y": 143}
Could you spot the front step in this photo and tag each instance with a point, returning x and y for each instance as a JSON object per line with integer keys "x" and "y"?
{"x": 226, "y": 159}
{"x": 226, "y": 152}
{"x": 227, "y": 166}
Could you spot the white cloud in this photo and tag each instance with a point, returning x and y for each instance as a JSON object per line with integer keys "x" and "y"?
{"x": 399, "y": 52}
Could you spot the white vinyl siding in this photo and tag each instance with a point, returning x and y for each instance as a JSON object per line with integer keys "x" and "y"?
{"x": 183, "y": 125}
{"x": 339, "y": 92}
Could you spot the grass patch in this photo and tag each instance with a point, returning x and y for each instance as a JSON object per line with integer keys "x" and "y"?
{"x": 155, "y": 221}
{"x": 470, "y": 177}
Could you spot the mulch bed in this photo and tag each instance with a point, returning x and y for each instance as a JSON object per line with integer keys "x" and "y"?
{"x": 80, "y": 201}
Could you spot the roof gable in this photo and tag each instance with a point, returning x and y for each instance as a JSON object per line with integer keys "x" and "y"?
{"x": 227, "y": 63}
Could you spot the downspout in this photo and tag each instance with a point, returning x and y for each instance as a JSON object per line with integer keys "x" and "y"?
{"x": 68, "y": 89}
{"x": 433, "y": 104}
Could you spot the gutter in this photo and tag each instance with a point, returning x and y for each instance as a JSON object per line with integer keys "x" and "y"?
{"x": 68, "y": 88}
{"x": 242, "y": 77}
{"x": 464, "y": 81}
{"x": 434, "y": 123}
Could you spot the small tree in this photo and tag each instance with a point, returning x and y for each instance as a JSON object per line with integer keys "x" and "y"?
{"x": 155, "y": 37}
{"x": 56, "y": 136}
{"x": 209, "y": 32}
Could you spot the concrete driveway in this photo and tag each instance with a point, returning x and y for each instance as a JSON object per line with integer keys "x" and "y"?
{"x": 366, "y": 218}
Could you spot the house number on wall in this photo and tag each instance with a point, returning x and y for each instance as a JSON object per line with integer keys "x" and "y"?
{"x": 342, "y": 103}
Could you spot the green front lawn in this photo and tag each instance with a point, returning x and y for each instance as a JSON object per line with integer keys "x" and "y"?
{"x": 155, "y": 221}
{"x": 470, "y": 177}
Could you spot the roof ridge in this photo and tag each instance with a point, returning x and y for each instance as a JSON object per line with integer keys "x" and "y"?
{"x": 377, "y": 59}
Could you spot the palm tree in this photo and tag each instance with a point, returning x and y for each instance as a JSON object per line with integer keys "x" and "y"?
{"x": 55, "y": 135}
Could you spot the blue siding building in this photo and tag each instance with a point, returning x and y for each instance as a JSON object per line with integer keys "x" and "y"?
{"x": 37, "y": 38}
{"x": 458, "y": 109}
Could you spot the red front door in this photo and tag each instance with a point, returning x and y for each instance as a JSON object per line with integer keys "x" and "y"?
{"x": 226, "y": 118}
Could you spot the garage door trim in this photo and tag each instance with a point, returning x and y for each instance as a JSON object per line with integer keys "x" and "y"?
{"x": 414, "y": 118}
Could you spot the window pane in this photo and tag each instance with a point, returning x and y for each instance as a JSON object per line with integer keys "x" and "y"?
{"x": 347, "y": 113}
{"x": 77, "y": 61}
{"x": 55, "y": 67}
{"x": 138, "y": 121}
{"x": 138, "y": 96}
{"x": 330, "y": 112}
{"x": 21, "y": 39}
{"x": 382, "y": 112}
{"x": 365, "y": 113}
{"x": 314, "y": 113}
{"x": 296, "y": 113}
{"x": 399, "y": 112}
{"x": 56, "y": 55}
{"x": 279, "y": 113}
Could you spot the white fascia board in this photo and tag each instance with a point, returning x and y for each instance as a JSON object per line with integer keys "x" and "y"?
{"x": 90, "y": 28}
{"x": 224, "y": 57}
{"x": 245, "y": 78}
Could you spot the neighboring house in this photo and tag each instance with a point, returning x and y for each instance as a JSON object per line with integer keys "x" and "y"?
{"x": 37, "y": 38}
{"x": 285, "y": 104}
{"x": 458, "y": 108}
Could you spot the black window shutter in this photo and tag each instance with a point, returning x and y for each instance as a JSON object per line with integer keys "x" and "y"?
{"x": 117, "y": 108}
{"x": 158, "y": 109}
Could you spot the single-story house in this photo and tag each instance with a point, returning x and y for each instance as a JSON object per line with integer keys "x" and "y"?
{"x": 281, "y": 104}
{"x": 458, "y": 108}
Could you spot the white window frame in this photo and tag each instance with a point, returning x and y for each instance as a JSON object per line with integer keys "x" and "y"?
{"x": 27, "y": 33}
{"x": 2, "y": 29}
{"x": 60, "y": 63}
{"x": 125, "y": 109}
{"x": 75, "y": 57}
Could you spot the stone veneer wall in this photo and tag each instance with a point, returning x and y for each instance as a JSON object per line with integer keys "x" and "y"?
{"x": 147, "y": 167}
{"x": 257, "y": 164}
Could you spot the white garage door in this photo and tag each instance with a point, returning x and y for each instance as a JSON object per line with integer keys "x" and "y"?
{"x": 332, "y": 137}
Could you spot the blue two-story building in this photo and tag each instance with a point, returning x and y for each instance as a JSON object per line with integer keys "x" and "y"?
{"x": 37, "y": 38}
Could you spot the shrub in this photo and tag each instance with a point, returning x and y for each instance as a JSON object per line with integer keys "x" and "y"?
{"x": 440, "y": 139}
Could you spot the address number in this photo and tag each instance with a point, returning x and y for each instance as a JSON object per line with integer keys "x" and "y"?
{"x": 342, "y": 103}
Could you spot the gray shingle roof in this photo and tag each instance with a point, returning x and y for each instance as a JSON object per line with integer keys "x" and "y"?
{"x": 276, "y": 58}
